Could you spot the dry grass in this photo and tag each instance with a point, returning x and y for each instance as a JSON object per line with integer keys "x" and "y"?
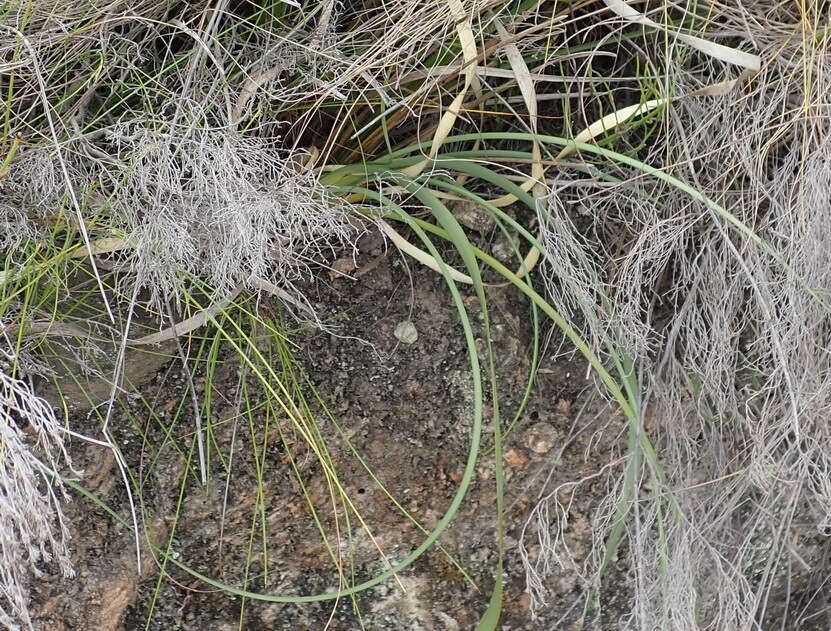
{"x": 732, "y": 349}
{"x": 162, "y": 127}
{"x": 32, "y": 530}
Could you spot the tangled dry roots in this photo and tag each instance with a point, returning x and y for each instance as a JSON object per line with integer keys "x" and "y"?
{"x": 32, "y": 530}
{"x": 738, "y": 392}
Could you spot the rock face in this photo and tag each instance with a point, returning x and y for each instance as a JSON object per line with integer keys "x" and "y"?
{"x": 74, "y": 351}
{"x": 83, "y": 374}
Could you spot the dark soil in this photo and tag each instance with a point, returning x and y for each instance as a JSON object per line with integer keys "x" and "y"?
{"x": 406, "y": 407}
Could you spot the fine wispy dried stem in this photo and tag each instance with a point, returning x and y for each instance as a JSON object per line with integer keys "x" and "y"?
{"x": 32, "y": 528}
{"x": 734, "y": 347}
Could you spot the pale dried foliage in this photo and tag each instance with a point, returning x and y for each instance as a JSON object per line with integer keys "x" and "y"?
{"x": 734, "y": 350}
{"x": 190, "y": 165}
{"x": 191, "y": 169}
{"x": 32, "y": 530}
{"x": 225, "y": 209}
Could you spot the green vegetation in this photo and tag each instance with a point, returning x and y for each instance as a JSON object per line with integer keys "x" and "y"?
{"x": 659, "y": 170}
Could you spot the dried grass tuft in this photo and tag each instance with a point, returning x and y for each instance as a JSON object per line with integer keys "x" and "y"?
{"x": 735, "y": 352}
{"x": 32, "y": 529}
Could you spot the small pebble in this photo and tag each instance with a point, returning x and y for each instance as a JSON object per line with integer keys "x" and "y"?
{"x": 472, "y": 215}
{"x": 406, "y": 332}
{"x": 541, "y": 438}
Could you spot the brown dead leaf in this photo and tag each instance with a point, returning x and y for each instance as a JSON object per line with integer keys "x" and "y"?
{"x": 515, "y": 458}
